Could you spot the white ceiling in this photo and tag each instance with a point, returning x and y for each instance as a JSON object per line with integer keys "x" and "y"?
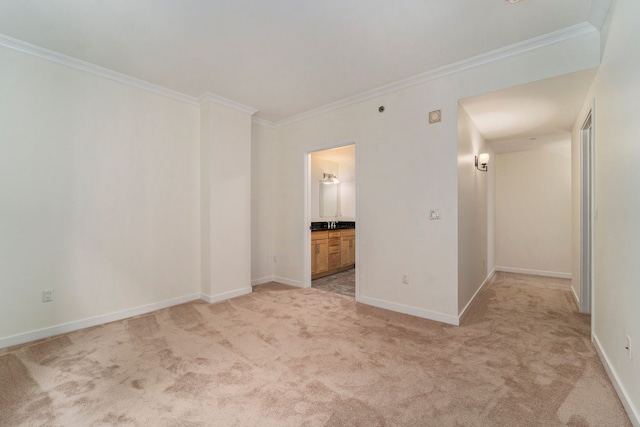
{"x": 534, "y": 115}
{"x": 283, "y": 57}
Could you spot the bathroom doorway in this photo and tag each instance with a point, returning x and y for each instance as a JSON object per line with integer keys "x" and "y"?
{"x": 331, "y": 220}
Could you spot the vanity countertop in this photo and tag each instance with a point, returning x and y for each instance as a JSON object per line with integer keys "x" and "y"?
{"x": 324, "y": 225}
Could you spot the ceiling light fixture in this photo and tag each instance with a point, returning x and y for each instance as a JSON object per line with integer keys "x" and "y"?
{"x": 513, "y": 1}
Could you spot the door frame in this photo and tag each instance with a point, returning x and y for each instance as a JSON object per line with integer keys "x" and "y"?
{"x": 588, "y": 213}
{"x": 306, "y": 282}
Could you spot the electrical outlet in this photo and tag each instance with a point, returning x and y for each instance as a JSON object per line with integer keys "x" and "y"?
{"x": 47, "y": 295}
{"x": 628, "y": 347}
{"x": 405, "y": 279}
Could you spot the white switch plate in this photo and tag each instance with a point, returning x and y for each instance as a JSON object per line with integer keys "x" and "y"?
{"x": 434, "y": 214}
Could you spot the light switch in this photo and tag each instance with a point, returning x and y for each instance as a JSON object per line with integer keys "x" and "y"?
{"x": 434, "y": 214}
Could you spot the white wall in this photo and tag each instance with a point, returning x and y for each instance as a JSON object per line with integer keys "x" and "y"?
{"x": 533, "y": 211}
{"x": 405, "y": 167}
{"x": 225, "y": 163}
{"x": 616, "y": 90}
{"x": 475, "y": 224}
{"x": 99, "y": 196}
{"x": 264, "y": 224}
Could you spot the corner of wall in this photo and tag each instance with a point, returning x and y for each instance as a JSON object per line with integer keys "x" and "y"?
{"x": 465, "y": 310}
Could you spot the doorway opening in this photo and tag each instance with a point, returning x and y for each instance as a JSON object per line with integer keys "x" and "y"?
{"x": 330, "y": 220}
{"x": 587, "y": 213}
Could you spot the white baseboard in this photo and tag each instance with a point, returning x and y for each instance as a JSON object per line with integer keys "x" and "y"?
{"x": 278, "y": 279}
{"x": 285, "y": 281}
{"x": 226, "y": 295}
{"x": 92, "y": 321}
{"x": 463, "y": 313}
{"x": 262, "y": 281}
{"x": 632, "y": 411}
{"x": 557, "y": 274}
{"x": 575, "y": 298}
{"x": 407, "y": 309}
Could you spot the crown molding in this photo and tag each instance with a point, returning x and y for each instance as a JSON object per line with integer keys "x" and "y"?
{"x": 436, "y": 73}
{"x": 78, "y": 64}
{"x": 88, "y": 67}
{"x": 217, "y": 99}
{"x": 495, "y": 55}
{"x": 263, "y": 122}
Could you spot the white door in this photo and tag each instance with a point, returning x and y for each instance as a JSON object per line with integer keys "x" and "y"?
{"x": 587, "y": 213}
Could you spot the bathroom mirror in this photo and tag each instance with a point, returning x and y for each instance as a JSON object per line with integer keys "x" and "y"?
{"x": 328, "y": 200}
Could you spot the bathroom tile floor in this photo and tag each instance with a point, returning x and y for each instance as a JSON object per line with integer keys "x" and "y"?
{"x": 343, "y": 283}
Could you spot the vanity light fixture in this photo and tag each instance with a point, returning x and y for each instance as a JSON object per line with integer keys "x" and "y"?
{"x": 482, "y": 162}
{"x": 329, "y": 178}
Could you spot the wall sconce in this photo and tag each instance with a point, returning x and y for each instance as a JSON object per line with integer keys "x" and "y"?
{"x": 482, "y": 162}
{"x": 329, "y": 178}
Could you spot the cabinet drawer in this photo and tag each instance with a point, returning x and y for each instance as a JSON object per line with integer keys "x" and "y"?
{"x": 334, "y": 233}
{"x": 334, "y": 241}
{"x": 334, "y": 249}
{"x": 319, "y": 235}
{"x": 348, "y": 232}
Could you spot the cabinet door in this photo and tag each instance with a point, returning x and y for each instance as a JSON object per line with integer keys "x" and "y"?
{"x": 334, "y": 257}
{"x": 352, "y": 250}
{"x": 319, "y": 256}
{"x": 314, "y": 258}
{"x": 348, "y": 250}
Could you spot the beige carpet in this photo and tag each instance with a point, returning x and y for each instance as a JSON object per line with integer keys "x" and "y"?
{"x": 305, "y": 357}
